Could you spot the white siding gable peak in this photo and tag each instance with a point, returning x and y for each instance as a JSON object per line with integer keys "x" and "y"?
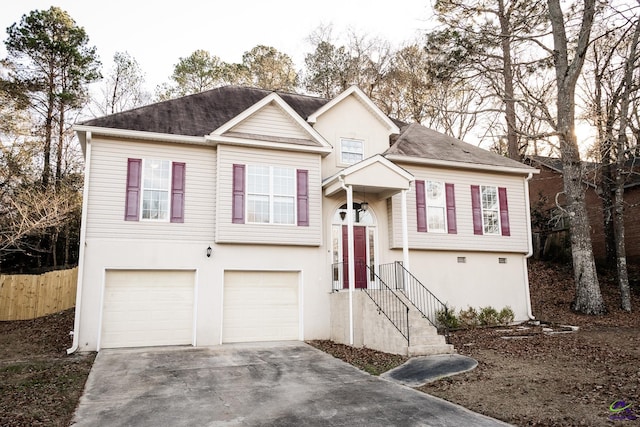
{"x": 375, "y": 174}
{"x": 270, "y": 103}
{"x": 364, "y": 99}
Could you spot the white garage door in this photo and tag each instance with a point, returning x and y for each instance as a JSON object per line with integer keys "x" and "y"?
{"x": 260, "y": 306}
{"x": 147, "y": 308}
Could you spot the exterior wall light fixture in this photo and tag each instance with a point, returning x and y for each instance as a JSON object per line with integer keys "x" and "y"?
{"x": 209, "y": 250}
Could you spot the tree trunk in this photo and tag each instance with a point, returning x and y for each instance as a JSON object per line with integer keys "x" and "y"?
{"x": 48, "y": 134}
{"x": 621, "y": 257}
{"x": 605, "y": 182}
{"x": 588, "y": 299}
{"x": 60, "y": 150}
{"x": 607, "y": 215}
{"x": 507, "y": 72}
{"x": 621, "y": 146}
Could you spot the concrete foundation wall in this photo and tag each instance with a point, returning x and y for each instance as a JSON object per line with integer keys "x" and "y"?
{"x": 371, "y": 329}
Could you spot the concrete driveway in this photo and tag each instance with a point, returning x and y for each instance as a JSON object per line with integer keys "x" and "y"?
{"x": 272, "y": 384}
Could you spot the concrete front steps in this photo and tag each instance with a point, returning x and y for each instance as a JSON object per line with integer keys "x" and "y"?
{"x": 372, "y": 329}
{"x": 424, "y": 339}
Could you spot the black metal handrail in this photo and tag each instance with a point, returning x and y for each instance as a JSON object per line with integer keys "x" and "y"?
{"x": 389, "y": 304}
{"x": 422, "y": 298}
{"x": 385, "y": 298}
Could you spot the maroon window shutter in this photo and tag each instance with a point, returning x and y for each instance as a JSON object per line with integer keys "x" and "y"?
{"x": 450, "y": 194}
{"x": 302, "y": 178}
{"x": 177, "y": 191}
{"x": 476, "y": 208}
{"x": 132, "y": 200}
{"x": 504, "y": 211}
{"x": 421, "y": 206}
{"x": 237, "y": 205}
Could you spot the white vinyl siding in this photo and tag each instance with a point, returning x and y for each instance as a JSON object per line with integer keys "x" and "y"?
{"x": 464, "y": 239}
{"x": 260, "y": 306}
{"x": 278, "y": 234}
{"x": 107, "y": 191}
{"x": 271, "y": 121}
{"x": 147, "y": 308}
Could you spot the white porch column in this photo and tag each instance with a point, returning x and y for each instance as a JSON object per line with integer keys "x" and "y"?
{"x": 405, "y": 232}
{"x": 351, "y": 253}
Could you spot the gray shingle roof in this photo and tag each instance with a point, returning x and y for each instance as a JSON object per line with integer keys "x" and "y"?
{"x": 202, "y": 113}
{"x": 418, "y": 141}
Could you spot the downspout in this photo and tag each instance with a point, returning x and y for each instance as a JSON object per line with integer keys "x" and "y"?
{"x": 351, "y": 253}
{"x": 83, "y": 234}
{"x": 529, "y": 246}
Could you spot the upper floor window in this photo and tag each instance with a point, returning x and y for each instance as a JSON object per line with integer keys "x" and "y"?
{"x": 158, "y": 187}
{"x": 490, "y": 210}
{"x": 351, "y": 151}
{"x": 271, "y": 195}
{"x": 436, "y": 207}
{"x": 156, "y": 180}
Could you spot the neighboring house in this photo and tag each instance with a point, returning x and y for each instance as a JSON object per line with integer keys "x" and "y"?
{"x": 240, "y": 214}
{"x": 546, "y": 192}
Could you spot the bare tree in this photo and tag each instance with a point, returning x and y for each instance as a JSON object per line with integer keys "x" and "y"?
{"x": 123, "y": 87}
{"x": 568, "y": 62}
{"x": 501, "y": 33}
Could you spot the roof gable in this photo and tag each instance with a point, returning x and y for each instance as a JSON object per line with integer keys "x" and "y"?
{"x": 271, "y": 119}
{"x": 362, "y": 98}
{"x": 201, "y": 113}
{"x": 375, "y": 175}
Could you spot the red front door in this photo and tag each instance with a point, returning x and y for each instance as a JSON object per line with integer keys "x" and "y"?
{"x": 360, "y": 255}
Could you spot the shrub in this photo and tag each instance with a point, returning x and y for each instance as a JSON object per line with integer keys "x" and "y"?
{"x": 447, "y": 318}
{"x": 488, "y": 316}
{"x": 468, "y": 318}
{"x": 506, "y": 316}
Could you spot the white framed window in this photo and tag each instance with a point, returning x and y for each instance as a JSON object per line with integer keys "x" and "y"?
{"x": 490, "y": 209}
{"x": 156, "y": 189}
{"x": 436, "y": 207}
{"x": 271, "y": 195}
{"x": 351, "y": 151}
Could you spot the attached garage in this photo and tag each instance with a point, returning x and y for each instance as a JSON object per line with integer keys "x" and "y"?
{"x": 261, "y": 306}
{"x": 143, "y": 308}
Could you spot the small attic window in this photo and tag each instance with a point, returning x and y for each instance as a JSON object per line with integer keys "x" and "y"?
{"x": 351, "y": 151}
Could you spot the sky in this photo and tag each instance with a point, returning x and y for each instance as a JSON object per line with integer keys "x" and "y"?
{"x": 157, "y": 34}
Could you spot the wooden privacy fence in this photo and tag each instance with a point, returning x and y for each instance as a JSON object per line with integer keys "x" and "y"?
{"x": 27, "y": 296}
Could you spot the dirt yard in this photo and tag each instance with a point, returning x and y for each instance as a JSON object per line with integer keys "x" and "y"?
{"x": 39, "y": 384}
{"x": 530, "y": 378}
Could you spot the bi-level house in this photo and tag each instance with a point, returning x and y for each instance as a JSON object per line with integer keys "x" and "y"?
{"x": 240, "y": 214}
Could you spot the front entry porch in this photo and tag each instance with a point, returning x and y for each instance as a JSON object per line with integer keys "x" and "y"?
{"x": 394, "y": 312}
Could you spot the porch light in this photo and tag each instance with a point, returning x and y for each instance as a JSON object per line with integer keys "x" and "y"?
{"x": 364, "y": 206}
{"x": 209, "y": 250}
{"x": 343, "y": 214}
